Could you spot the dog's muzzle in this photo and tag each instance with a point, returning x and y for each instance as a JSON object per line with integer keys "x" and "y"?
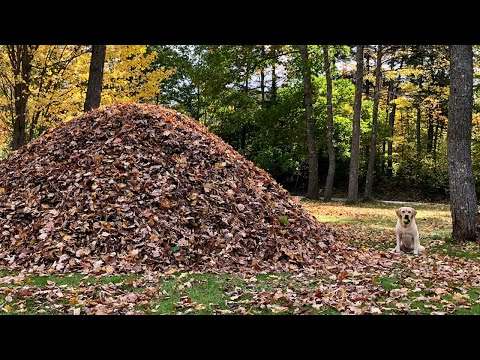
{"x": 406, "y": 220}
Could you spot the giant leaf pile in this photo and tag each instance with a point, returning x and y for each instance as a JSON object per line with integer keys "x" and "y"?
{"x": 129, "y": 188}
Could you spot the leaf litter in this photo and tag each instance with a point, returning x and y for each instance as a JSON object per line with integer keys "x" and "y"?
{"x": 142, "y": 189}
{"x": 125, "y": 189}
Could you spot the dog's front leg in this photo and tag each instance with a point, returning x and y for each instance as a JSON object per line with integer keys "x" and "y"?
{"x": 397, "y": 249}
{"x": 416, "y": 243}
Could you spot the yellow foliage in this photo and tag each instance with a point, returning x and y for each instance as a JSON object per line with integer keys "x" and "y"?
{"x": 403, "y": 102}
{"x": 59, "y": 79}
{"x": 58, "y": 83}
{"x": 369, "y": 77}
{"x": 409, "y": 88}
{"x": 125, "y": 75}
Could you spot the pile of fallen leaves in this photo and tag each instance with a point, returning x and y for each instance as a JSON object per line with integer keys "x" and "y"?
{"x": 131, "y": 188}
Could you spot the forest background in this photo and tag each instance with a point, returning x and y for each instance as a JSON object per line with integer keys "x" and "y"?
{"x": 253, "y": 96}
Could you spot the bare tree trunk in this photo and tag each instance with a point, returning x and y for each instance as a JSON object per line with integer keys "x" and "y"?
{"x": 430, "y": 136}
{"x": 357, "y": 110}
{"x": 419, "y": 143}
{"x": 367, "y": 82}
{"x": 384, "y": 145}
{"x": 373, "y": 143}
{"x": 312, "y": 191}
{"x": 419, "y": 121}
{"x": 393, "y": 89}
{"x": 20, "y": 57}
{"x": 435, "y": 141}
{"x": 440, "y": 134}
{"x": 391, "y": 123}
{"x": 463, "y": 198}
{"x": 273, "y": 89}
{"x": 262, "y": 76}
{"x": 243, "y": 139}
{"x": 243, "y": 134}
{"x": 331, "y": 150}
{"x": 95, "y": 78}
{"x": 33, "y": 124}
{"x": 199, "y": 109}
{"x": 21, "y": 98}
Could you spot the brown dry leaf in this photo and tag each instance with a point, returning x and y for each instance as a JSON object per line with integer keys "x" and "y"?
{"x": 342, "y": 275}
{"x": 24, "y": 293}
{"x": 461, "y": 299}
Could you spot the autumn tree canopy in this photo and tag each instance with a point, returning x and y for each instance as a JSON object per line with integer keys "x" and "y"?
{"x": 57, "y": 83}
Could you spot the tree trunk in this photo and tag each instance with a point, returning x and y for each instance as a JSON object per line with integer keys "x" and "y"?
{"x": 440, "y": 133}
{"x": 21, "y": 98}
{"x": 435, "y": 141}
{"x": 367, "y": 82}
{"x": 384, "y": 145}
{"x": 387, "y": 105}
{"x": 20, "y": 57}
{"x": 393, "y": 89}
{"x": 199, "y": 109}
{"x": 331, "y": 151}
{"x": 262, "y": 77}
{"x": 391, "y": 123}
{"x": 312, "y": 191}
{"x": 373, "y": 143}
{"x": 243, "y": 139}
{"x": 463, "y": 198}
{"x": 357, "y": 110}
{"x": 33, "y": 124}
{"x": 273, "y": 89}
{"x": 95, "y": 78}
{"x": 246, "y": 89}
{"x": 419, "y": 120}
{"x": 430, "y": 136}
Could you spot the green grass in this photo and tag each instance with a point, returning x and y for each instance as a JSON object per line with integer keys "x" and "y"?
{"x": 211, "y": 293}
{"x": 207, "y": 289}
{"x": 388, "y": 283}
{"x": 333, "y": 219}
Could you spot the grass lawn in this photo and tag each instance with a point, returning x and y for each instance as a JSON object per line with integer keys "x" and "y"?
{"x": 441, "y": 281}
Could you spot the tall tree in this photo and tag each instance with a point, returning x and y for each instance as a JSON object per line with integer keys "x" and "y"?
{"x": 331, "y": 151}
{"x": 20, "y": 57}
{"x": 373, "y": 143}
{"x": 392, "y": 89}
{"x": 357, "y": 110}
{"x": 419, "y": 119}
{"x": 273, "y": 88}
{"x": 95, "y": 78}
{"x": 391, "y": 124}
{"x": 313, "y": 189}
{"x": 262, "y": 75}
{"x": 463, "y": 198}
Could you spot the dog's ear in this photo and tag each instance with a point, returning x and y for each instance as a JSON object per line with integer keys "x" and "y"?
{"x": 398, "y": 213}
{"x": 414, "y": 212}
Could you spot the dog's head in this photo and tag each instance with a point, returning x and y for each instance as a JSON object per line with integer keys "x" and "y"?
{"x": 406, "y": 215}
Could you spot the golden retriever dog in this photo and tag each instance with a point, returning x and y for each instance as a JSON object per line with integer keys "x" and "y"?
{"x": 407, "y": 231}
